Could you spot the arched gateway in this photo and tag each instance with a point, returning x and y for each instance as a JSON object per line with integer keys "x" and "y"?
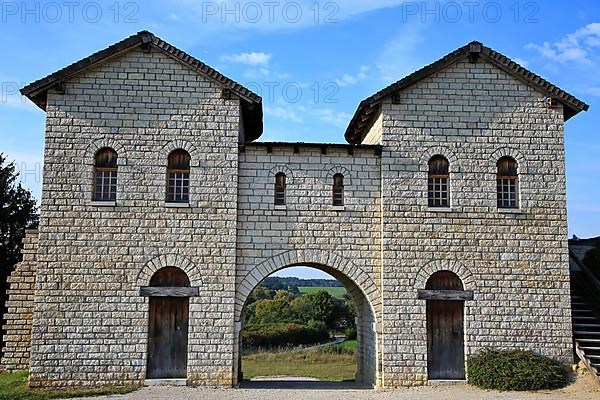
{"x": 76, "y": 313}
{"x": 364, "y": 294}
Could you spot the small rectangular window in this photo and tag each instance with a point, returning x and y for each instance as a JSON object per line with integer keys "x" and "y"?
{"x": 338, "y": 190}
{"x": 280, "y": 185}
{"x": 105, "y": 187}
{"x": 438, "y": 194}
{"x": 507, "y": 192}
{"x": 178, "y": 187}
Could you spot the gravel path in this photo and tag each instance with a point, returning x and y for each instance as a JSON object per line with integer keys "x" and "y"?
{"x": 584, "y": 388}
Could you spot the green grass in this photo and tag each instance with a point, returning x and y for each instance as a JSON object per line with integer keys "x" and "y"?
{"x": 337, "y": 292}
{"x": 13, "y": 386}
{"x": 348, "y": 344}
{"x": 315, "y": 363}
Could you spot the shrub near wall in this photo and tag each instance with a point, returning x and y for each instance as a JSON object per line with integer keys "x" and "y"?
{"x": 515, "y": 370}
{"x": 283, "y": 334}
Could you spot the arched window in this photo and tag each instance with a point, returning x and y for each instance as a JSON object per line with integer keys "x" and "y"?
{"x": 506, "y": 183}
{"x": 438, "y": 183}
{"x": 105, "y": 175}
{"x": 338, "y": 190}
{"x": 280, "y": 189}
{"x": 178, "y": 177}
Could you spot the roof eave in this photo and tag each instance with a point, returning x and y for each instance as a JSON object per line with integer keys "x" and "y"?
{"x": 251, "y": 103}
{"x": 358, "y": 127}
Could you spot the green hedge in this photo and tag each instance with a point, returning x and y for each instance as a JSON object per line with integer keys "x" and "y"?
{"x": 282, "y": 334}
{"x": 515, "y": 370}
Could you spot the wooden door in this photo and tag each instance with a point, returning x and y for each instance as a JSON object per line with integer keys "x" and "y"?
{"x": 168, "y": 337}
{"x": 445, "y": 341}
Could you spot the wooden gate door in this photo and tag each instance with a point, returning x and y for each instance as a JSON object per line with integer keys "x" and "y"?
{"x": 167, "y": 337}
{"x": 445, "y": 341}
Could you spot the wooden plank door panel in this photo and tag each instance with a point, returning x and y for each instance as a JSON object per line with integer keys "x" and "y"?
{"x": 445, "y": 340}
{"x": 167, "y": 338}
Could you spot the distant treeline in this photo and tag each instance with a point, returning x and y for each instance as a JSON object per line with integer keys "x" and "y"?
{"x": 285, "y": 283}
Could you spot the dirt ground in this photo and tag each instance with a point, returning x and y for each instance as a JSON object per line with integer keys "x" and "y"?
{"x": 584, "y": 388}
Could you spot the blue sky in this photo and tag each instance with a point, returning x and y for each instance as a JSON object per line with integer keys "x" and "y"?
{"x": 313, "y": 61}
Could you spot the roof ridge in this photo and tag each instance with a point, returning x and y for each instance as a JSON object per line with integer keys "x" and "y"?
{"x": 363, "y": 116}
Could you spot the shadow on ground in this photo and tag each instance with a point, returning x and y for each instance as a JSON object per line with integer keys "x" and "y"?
{"x": 301, "y": 384}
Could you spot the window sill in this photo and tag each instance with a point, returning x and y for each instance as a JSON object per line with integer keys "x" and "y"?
{"x": 338, "y": 208}
{"x": 97, "y": 203}
{"x": 177, "y": 205}
{"x": 510, "y": 211}
{"x": 280, "y": 207}
{"x": 440, "y": 209}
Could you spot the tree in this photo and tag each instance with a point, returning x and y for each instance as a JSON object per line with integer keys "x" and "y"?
{"x": 285, "y": 295}
{"x": 315, "y": 306}
{"x": 18, "y": 211}
{"x": 260, "y": 292}
{"x": 272, "y": 311}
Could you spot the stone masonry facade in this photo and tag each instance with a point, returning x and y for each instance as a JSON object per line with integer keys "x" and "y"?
{"x": 85, "y": 322}
{"x": 19, "y": 307}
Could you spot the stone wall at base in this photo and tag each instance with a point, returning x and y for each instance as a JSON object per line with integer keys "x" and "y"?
{"x": 19, "y": 307}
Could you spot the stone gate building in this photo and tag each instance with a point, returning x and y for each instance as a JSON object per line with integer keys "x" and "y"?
{"x": 444, "y": 216}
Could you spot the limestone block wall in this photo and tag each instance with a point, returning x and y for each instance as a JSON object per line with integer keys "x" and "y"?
{"x": 19, "y": 307}
{"x": 344, "y": 241}
{"x": 516, "y": 262}
{"x": 90, "y": 323}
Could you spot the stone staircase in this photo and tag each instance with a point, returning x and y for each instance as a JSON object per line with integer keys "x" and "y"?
{"x": 585, "y": 309}
{"x": 586, "y": 333}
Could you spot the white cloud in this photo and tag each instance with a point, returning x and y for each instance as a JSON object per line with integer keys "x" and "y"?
{"x": 578, "y": 46}
{"x": 401, "y": 55}
{"x": 592, "y": 90}
{"x": 259, "y": 73}
{"x": 521, "y": 62}
{"x": 349, "y": 80}
{"x": 252, "y": 59}
{"x": 282, "y": 113}
{"x": 230, "y": 15}
{"x": 338, "y": 118}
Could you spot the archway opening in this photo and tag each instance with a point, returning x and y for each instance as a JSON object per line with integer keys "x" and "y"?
{"x": 307, "y": 323}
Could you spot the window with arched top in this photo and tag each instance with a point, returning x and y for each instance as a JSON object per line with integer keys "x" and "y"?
{"x": 438, "y": 182}
{"x": 178, "y": 177}
{"x": 338, "y": 190}
{"x": 506, "y": 183}
{"x": 105, "y": 175}
{"x": 280, "y": 187}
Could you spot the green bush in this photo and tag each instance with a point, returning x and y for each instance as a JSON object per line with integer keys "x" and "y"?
{"x": 336, "y": 349}
{"x": 350, "y": 333}
{"x": 282, "y": 334}
{"x": 515, "y": 370}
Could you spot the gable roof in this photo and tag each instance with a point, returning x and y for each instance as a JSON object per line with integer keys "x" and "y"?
{"x": 251, "y": 103}
{"x": 366, "y": 113}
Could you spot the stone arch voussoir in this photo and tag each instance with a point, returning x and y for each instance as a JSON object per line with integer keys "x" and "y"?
{"x": 168, "y": 260}
{"x": 183, "y": 145}
{"x": 92, "y": 149}
{"x": 442, "y": 151}
{"x": 308, "y": 257}
{"x": 508, "y": 152}
{"x": 454, "y": 266}
{"x": 289, "y": 174}
{"x": 339, "y": 169}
